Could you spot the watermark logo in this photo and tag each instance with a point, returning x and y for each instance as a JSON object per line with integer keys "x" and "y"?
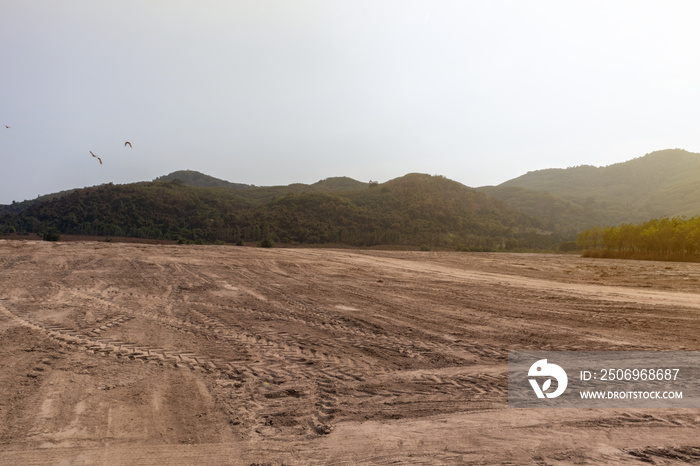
{"x": 542, "y": 368}
{"x": 604, "y": 379}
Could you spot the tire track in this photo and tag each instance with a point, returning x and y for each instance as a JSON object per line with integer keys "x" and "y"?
{"x": 422, "y": 346}
{"x": 132, "y": 351}
{"x": 288, "y": 378}
{"x": 684, "y": 454}
{"x": 328, "y": 320}
{"x": 275, "y": 363}
{"x": 281, "y": 345}
{"x": 107, "y": 325}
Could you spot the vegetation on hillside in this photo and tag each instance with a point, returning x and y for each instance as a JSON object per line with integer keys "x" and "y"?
{"x": 195, "y": 178}
{"x": 17, "y": 207}
{"x": 556, "y": 213}
{"x": 412, "y": 210}
{"x": 541, "y": 209}
{"x": 255, "y": 194}
{"x": 663, "y": 183}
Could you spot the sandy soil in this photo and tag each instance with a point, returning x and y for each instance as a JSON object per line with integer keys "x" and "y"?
{"x": 153, "y": 354}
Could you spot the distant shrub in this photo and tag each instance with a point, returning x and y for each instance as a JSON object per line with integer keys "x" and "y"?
{"x": 267, "y": 243}
{"x": 239, "y": 242}
{"x": 424, "y": 247}
{"x": 51, "y": 234}
{"x": 569, "y": 246}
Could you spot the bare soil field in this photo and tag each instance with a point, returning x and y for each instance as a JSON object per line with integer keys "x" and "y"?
{"x": 159, "y": 354}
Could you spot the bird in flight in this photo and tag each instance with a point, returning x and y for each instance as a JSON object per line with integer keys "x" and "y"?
{"x": 127, "y": 143}
{"x": 96, "y": 157}
{"x": 8, "y": 127}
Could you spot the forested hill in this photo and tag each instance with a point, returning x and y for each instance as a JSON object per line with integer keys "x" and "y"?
{"x": 17, "y": 207}
{"x": 663, "y": 183}
{"x": 195, "y": 178}
{"x": 412, "y": 210}
{"x": 540, "y": 208}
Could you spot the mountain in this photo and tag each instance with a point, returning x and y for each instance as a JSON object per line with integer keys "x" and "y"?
{"x": 267, "y": 194}
{"x": 259, "y": 194}
{"x": 538, "y": 209}
{"x": 663, "y": 183}
{"x": 195, "y": 178}
{"x": 415, "y": 210}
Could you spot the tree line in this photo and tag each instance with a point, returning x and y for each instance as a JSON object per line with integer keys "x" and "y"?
{"x": 676, "y": 238}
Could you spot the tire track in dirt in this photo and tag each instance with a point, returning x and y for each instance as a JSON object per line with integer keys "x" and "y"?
{"x": 320, "y": 319}
{"x": 244, "y": 374}
{"x": 274, "y": 362}
{"x": 326, "y": 404}
{"x": 176, "y": 358}
{"x": 466, "y": 389}
{"x": 281, "y": 363}
{"x": 107, "y": 325}
{"x": 316, "y": 368}
{"x": 424, "y": 346}
{"x": 280, "y": 345}
{"x": 483, "y": 386}
{"x": 292, "y": 310}
{"x": 267, "y": 369}
{"x": 112, "y": 346}
{"x": 304, "y": 371}
{"x": 246, "y": 337}
{"x": 570, "y": 340}
{"x": 682, "y": 454}
{"x": 367, "y": 337}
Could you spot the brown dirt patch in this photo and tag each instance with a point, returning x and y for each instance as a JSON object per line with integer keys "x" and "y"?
{"x": 132, "y": 353}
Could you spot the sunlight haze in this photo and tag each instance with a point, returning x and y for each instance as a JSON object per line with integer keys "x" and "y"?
{"x": 278, "y": 92}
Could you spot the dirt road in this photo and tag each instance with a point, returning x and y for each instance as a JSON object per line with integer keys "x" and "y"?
{"x": 131, "y": 354}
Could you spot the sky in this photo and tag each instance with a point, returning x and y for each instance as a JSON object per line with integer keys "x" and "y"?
{"x": 277, "y": 92}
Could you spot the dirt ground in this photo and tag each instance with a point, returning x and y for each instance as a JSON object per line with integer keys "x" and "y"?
{"x": 157, "y": 354}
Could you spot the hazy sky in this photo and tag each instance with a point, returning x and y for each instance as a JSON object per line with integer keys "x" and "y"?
{"x": 275, "y": 92}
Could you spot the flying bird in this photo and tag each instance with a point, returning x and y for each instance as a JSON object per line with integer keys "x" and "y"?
{"x": 8, "y": 127}
{"x": 127, "y": 143}
{"x": 96, "y": 157}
